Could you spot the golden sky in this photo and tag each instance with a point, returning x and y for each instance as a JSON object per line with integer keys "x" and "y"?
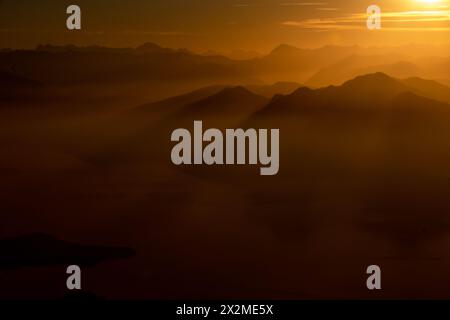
{"x": 224, "y": 24}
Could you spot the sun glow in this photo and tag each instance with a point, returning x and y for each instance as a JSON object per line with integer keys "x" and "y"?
{"x": 441, "y": 4}
{"x": 429, "y": 1}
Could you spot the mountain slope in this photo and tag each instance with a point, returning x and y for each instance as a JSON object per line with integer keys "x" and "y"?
{"x": 354, "y": 65}
{"x": 269, "y": 91}
{"x": 229, "y": 102}
{"x": 74, "y": 65}
{"x": 174, "y": 104}
{"x": 361, "y": 92}
{"x": 429, "y": 88}
{"x": 373, "y": 91}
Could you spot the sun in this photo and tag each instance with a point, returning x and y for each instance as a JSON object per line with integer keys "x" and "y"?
{"x": 429, "y": 1}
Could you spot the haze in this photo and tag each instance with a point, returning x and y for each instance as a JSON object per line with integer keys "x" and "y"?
{"x": 224, "y": 25}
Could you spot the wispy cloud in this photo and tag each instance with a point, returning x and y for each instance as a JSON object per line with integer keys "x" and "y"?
{"x": 430, "y": 20}
{"x": 162, "y": 33}
{"x": 294, "y": 4}
{"x": 327, "y": 9}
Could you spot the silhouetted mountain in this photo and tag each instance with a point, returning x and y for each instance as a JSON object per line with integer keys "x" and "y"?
{"x": 371, "y": 86}
{"x": 411, "y": 100}
{"x": 400, "y": 69}
{"x": 36, "y": 250}
{"x": 174, "y": 103}
{"x": 366, "y": 91}
{"x": 429, "y": 88}
{"x": 150, "y": 47}
{"x": 418, "y": 115}
{"x": 288, "y": 52}
{"x": 428, "y": 62}
{"x": 230, "y": 101}
{"x": 72, "y": 48}
{"x": 148, "y": 63}
{"x": 269, "y": 91}
{"x": 293, "y": 64}
{"x": 373, "y": 91}
{"x": 285, "y": 50}
{"x": 355, "y": 65}
{"x": 381, "y": 86}
{"x": 151, "y": 63}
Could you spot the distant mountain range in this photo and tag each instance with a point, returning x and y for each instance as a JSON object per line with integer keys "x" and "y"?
{"x": 152, "y": 64}
{"x": 220, "y": 93}
{"x": 370, "y": 120}
{"x": 354, "y": 65}
{"x": 373, "y": 90}
{"x": 72, "y": 65}
{"x": 319, "y": 127}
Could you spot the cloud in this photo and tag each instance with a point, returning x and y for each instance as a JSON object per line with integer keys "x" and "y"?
{"x": 327, "y": 9}
{"x": 295, "y": 4}
{"x": 427, "y": 20}
{"x": 168, "y": 33}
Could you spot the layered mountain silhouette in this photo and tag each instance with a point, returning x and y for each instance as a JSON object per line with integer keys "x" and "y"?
{"x": 293, "y": 64}
{"x": 374, "y": 100}
{"x": 153, "y": 64}
{"x": 365, "y": 161}
{"x": 232, "y": 101}
{"x": 355, "y": 65}
{"x": 218, "y": 106}
{"x": 373, "y": 91}
{"x": 393, "y": 64}
{"x": 174, "y": 104}
{"x": 269, "y": 91}
{"x": 400, "y": 69}
{"x": 429, "y": 88}
{"x": 149, "y": 62}
{"x": 223, "y": 95}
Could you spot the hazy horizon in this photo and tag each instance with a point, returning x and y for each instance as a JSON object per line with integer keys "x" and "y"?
{"x": 225, "y": 25}
{"x": 244, "y": 54}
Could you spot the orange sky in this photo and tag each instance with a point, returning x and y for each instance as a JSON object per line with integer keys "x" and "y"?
{"x": 224, "y": 25}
